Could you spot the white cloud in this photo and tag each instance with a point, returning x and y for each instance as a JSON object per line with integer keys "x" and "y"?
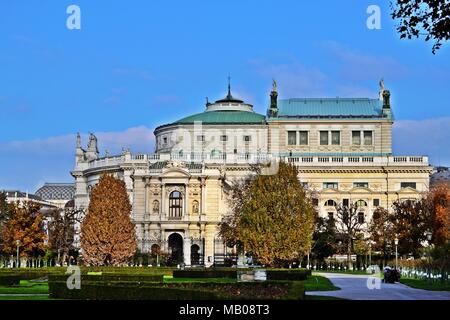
{"x": 27, "y": 164}
{"x": 424, "y": 137}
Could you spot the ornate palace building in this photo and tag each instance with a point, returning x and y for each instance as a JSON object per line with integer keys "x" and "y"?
{"x": 342, "y": 147}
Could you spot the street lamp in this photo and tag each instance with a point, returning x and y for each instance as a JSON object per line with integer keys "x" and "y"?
{"x": 17, "y": 258}
{"x": 429, "y": 237}
{"x": 396, "y": 252}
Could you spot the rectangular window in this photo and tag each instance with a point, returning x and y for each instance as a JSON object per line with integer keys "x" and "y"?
{"x": 305, "y": 185}
{"x": 408, "y": 185}
{"x": 345, "y": 202}
{"x": 303, "y": 138}
{"x": 368, "y": 138}
{"x": 201, "y": 138}
{"x": 292, "y": 138}
{"x": 356, "y": 138}
{"x": 330, "y": 215}
{"x": 376, "y": 202}
{"x": 247, "y": 138}
{"x": 323, "y": 138}
{"x": 360, "y": 185}
{"x": 330, "y": 185}
{"x": 315, "y": 202}
{"x": 360, "y": 217}
{"x": 223, "y": 138}
{"x": 335, "y": 138}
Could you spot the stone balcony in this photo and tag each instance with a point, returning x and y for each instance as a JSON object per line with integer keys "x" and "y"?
{"x": 252, "y": 158}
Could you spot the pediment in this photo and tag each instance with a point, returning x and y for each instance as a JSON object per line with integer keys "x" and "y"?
{"x": 175, "y": 173}
{"x": 408, "y": 190}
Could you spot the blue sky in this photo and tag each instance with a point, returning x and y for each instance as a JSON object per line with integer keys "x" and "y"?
{"x": 135, "y": 65}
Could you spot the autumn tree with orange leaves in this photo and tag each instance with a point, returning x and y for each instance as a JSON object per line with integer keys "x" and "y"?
{"x": 438, "y": 201}
{"x": 107, "y": 233}
{"x": 25, "y": 224}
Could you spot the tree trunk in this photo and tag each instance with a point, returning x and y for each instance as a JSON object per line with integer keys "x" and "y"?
{"x": 349, "y": 253}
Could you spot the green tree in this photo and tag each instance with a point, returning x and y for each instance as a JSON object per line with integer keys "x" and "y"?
{"x": 107, "y": 232}
{"x": 324, "y": 239}
{"x": 411, "y": 221}
{"x": 423, "y": 18}
{"x": 276, "y": 219}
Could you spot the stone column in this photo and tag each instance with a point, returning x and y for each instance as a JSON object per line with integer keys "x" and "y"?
{"x": 187, "y": 210}
{"x": 187, "y": 249}
{"x": 162, "y": 204}
{"x": 203, "y": 196}
{"x": 209, "y": 245}
{"x": 145, "y": 197}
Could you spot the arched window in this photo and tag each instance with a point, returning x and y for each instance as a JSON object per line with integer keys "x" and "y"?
{"x": 361, "y": 203}
{"x": 175, "y": 205}
{"x": 155, "y": 206}
{"x": 330, "y": 203}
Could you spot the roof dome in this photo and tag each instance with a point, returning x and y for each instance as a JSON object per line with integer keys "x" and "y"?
{"x": 228, "y": 110}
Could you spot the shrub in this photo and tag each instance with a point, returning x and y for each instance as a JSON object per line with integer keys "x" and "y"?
{"x": 110, "y": 277}
{"x": 178, "y": 291}
{"x": 210, "y": 273}
{"x": 288, "y": 274}
{"x": 9, "y": 279}
{"x": 117, "y": 291}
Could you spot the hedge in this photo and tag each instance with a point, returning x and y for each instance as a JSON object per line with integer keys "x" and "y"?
{"x": 292, "y": 275}
{"x": 272, "y": 274}
{"x": 205, "y": 273}
{"x": 186, "y": 291}
{"x": 110, "y": 277}
{"x": 9, "y": 279}
{"x": 125, "y": 291}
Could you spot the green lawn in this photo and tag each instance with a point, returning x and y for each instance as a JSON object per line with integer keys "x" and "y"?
{"x": 24, "y": 297}
{"x": 424, "y": 284}
{"x": 342, "y": 271}
{"x": 318, "y": 283}
{"x": 27, "y": 287}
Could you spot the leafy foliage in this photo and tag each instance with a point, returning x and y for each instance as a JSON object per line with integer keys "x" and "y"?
{"x": 438, "y": 202}
{"x": 272, "y": 217}
{"x": 410, "y": 221}
{"x": 429, "y": 18}
{"x": 61, "y": 229}
{"x": 26, "y": 225}
{"x": 382, "y": 232}
{"x": 107, "y": 232}
{"x": 324, "y": 239}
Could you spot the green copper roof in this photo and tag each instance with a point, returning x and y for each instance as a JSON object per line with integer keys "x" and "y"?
{"x": 330, "y": 107}
{"x": 224, "y": 117}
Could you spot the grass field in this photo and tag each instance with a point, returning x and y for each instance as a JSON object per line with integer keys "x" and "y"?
{"x": 26, "y": 287}
{"x": 424, "y": 284}
{"x": 318, "y": 283}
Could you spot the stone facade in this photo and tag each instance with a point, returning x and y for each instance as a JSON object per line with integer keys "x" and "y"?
{"x": 342, "y": 147}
